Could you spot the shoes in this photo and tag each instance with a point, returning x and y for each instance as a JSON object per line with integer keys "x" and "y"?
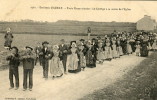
{"x": 53, "y": 77}
{"x": 24, "y": 89}
{"x": 11, "y": 88}
{"x": 16, "y": 88}
{"x": 60, "y": 75}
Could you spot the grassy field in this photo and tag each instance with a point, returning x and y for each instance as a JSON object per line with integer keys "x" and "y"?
{"x": 22, "y": 40}
{"x": 67, "y": 27}
{"x": 134, "y": 86}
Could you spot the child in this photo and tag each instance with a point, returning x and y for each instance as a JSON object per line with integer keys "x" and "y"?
{"x": 55, "y": 63}
{"x": 14, "y": 62}
{"x": 138, "y": 47}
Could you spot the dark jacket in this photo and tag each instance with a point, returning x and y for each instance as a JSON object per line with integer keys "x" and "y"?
{"x": 46, "y": 55}
{"x": 14, "y": 61}
{"x": 28, "y": 61}
{"x": 63, "y": 51}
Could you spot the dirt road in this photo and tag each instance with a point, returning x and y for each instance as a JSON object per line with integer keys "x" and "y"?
{"x": 70, "y": 86}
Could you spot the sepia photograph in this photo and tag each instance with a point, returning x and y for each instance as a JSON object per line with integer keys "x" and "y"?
{"x": 78, "y": 50}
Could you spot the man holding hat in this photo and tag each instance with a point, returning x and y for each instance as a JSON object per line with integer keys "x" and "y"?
{"x": 46, "y": 55}
{"x": 28, "y": 65}
{"x": 14, "y": 62}
{"x": 63, "y": 57}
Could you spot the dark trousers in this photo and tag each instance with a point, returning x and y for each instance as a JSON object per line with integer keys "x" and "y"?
{"x": 15, "y": 73}
{"x": 28, "y": 73}
{"x": 38, "y": 59}
{"x": 45, "y": 65}
{"x": 64, "y": 61}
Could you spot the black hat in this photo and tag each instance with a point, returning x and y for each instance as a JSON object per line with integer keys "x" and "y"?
{"x": 72, "y": 42}
{"x": 82, "y": 40}
{"x": 45, "y": 42}
{"x": 93, "y": 39}
{"x": 29, "y": 47}
{"x": 14, "y": 47}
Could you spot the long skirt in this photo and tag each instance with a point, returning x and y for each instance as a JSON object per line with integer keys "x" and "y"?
{"x": 108, "y": 53}
{"x": 144, "y": 51}
{"x": 114, "y": 54}
{"x": 154, "y": 46}
{"x": 56, "y": 66}
{"x": 72, "y": 63}
{"x": 100, "y": 55}
{"x": 82, "y": 60}
{"x": 129, "y": 49}
{"x": 119, "y": 51}
{"x": 90, "y": 60}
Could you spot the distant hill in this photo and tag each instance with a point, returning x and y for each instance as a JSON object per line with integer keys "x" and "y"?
{"x": 66, "y": 27}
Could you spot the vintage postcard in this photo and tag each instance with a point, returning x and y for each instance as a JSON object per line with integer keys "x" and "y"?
{"x": 78, "y": 50}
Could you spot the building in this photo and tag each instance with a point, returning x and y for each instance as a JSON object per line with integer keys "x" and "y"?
{"x": 146, "y": 24}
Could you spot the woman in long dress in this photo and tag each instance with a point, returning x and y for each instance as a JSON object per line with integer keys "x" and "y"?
{"x": 128, "y": 47}
{"x": 100, "y": 53}
{"x": 81, "y": 56}
{"x": 114, "y": 51}
{"x": 154, "y": 46}
{"x": 90, "y": 58}
{"x": 72, "y": 59}
{"x": 8, "y": 38}
{"x": 56, "y": 65}
{"x": 119, "y": 49}
{"x": 108, "y": 51}
{"x": 144, "y": 48}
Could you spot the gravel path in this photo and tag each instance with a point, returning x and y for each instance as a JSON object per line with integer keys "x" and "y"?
{"x": 70, "y": 86}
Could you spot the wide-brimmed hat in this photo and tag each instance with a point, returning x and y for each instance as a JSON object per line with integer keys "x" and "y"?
{"x": 82, "y": 40}
{"x": 93, "y": 39}
{"x": 29, "y": 47}
{"x": 45, "y": 42}
{"x": 14, "y": 47}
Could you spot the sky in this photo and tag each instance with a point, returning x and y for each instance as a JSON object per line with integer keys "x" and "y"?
{"x": 22, "y": 9}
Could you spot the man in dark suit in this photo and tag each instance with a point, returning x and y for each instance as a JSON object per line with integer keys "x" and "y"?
{"x": 14, "y": 62}
{"x": 63, "y": 54}
{"x": 46, "y": 55}
{"x": 95, "y": 47}
{"x": 28, "y": 65}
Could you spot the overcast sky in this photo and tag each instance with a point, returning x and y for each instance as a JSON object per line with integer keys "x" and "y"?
{"x": 21, "y": 9}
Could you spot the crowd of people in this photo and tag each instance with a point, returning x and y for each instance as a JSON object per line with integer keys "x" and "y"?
{"x": 74, "y": 57}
